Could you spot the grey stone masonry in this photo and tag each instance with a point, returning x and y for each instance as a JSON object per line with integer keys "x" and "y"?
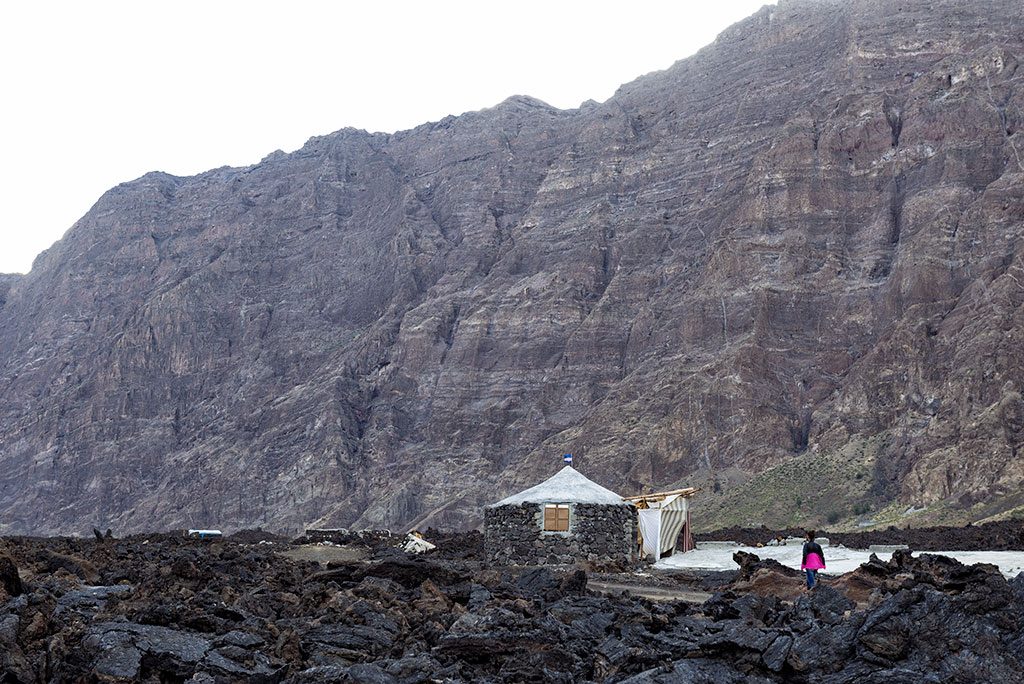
{"x": 514, "y": 535}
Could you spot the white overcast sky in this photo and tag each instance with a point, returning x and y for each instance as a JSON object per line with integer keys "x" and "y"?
{"x": 96, "y": 93}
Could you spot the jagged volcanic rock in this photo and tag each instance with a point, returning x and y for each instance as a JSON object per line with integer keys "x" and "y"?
{"x": 1003, "y": 535}
{"x": 788, "y": 268}
{"x": 246, "y": 613}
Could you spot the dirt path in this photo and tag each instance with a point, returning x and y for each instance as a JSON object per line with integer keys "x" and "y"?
{"x": 324, "y": 554}
{"x": 654, "y": 593}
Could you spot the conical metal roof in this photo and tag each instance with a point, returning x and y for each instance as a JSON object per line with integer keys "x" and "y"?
{"x": 565, "y": 486}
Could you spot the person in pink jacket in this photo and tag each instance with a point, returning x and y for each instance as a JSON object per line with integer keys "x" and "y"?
{"x": 814, "y": 559}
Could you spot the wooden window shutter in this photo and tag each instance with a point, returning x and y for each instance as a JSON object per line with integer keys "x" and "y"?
{"x": 556, "y": 517}
{"x": 563, "y": 519}
{"x": 550, "y": 518}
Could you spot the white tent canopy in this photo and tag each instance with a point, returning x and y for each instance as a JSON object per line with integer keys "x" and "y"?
{"x": 661, "y": 522}
{"x": 566, "y": 486}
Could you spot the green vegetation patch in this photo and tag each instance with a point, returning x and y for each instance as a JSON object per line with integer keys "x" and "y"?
{"x": 810, "y": 489}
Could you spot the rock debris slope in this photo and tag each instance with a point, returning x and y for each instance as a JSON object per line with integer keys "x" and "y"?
{"x": 788, "y": 268}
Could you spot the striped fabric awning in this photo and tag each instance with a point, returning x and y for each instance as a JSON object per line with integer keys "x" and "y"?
{"x": 661, "y": 525}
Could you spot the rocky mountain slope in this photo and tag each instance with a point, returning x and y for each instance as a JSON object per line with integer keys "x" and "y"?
{"x": 787, "y": 269}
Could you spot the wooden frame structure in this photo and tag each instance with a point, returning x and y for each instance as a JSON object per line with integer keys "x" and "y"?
{"x": 640, "y": 500}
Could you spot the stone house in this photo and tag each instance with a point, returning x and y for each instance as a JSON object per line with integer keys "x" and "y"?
{"x": 564, "y": 519}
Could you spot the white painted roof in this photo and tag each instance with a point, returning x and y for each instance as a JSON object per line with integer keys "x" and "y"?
{"x": 565, "y": 486}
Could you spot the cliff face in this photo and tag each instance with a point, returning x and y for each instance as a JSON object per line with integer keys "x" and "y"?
{"x": 788, "y": 269}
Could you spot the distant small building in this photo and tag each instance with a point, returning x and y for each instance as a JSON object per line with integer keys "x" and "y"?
{"x": 205, "y": 534}
{"x": 565, "y": 519}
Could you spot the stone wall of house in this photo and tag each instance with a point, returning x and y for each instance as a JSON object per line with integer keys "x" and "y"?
{"x": 513, "y": 535}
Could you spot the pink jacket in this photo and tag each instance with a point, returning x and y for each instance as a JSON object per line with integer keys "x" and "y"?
{"x": 813, "y": 562}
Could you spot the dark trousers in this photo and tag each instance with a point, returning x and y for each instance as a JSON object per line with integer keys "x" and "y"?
{"x": 812, "y": 577}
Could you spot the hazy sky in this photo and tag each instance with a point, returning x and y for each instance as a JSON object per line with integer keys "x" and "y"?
{"x": 100, "y": 92}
